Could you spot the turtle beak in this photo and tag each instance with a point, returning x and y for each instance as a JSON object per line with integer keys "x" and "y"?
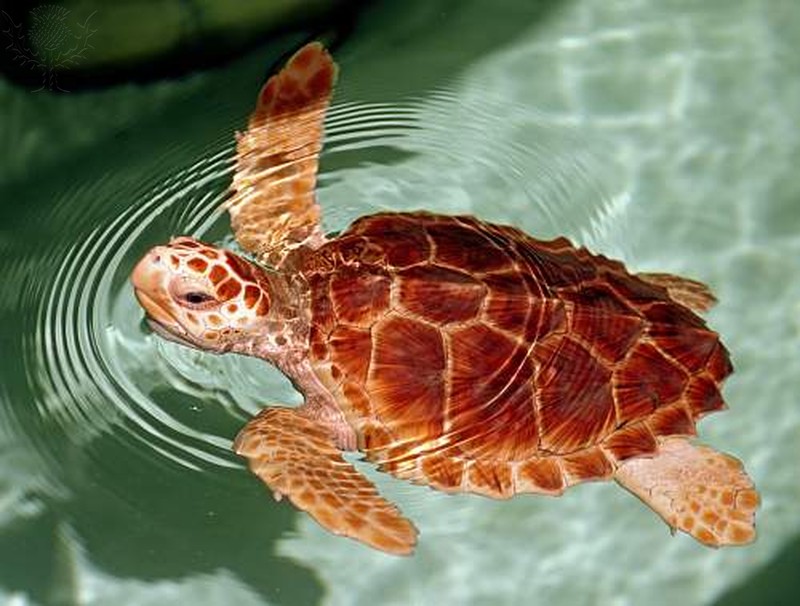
{"x": 149, "y": 280}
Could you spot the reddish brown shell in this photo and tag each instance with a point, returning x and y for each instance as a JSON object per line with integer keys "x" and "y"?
{"x": 473, "y": 357}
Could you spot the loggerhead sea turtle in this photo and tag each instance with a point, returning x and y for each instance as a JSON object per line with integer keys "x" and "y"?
{"x": 452, "y": 352}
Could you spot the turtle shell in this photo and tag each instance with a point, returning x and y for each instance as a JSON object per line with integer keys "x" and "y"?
{"x": 473, "y": 357}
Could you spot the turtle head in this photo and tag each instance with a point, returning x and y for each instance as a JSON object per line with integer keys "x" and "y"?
{"x": 203, "y": 296}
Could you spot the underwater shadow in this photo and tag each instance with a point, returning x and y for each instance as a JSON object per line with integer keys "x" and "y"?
{"x": 419, "y": 45}
{"x": 133, "y": 517}
{"x": 777, "y": 583}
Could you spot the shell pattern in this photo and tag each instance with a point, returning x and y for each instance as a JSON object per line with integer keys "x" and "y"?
{"x": 473, "y": 357}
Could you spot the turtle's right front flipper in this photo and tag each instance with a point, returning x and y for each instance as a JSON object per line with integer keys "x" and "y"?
{"x": 273, "y": 209}
{"x": 298, "y": 458}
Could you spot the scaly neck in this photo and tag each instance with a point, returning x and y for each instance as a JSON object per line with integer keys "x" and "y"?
{"x": 283, "y": 338}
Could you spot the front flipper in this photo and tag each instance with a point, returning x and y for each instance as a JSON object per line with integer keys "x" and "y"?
{"x": 273, "y": 209}
{"x": 297, "y": 457}
{"x": 696, "y": 489}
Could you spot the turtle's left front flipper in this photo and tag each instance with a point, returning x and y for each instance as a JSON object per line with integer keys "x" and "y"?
{"x": 273, "y": 208}
{"x": 298, "y": 458}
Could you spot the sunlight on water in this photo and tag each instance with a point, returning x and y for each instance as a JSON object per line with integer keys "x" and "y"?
{"x": 544, "y": 177}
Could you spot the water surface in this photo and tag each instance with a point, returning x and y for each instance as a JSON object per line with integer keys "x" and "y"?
{"x": 658, "y": 134}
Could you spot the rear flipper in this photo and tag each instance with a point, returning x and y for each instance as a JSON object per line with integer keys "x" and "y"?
{"x": 697, "y": 490}
{"x": 691, "y": 293}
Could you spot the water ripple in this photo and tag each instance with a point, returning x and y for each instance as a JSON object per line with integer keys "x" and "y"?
{"x": 87, "y": 353}
{"x": 95, "y": 369}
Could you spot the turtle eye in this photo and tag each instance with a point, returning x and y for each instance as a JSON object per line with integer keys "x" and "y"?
{"x": 196, "y": 297}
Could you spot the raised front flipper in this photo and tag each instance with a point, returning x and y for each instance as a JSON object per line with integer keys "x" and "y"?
{"x": 273, "y": 208}
{"x": 297, "y": 457}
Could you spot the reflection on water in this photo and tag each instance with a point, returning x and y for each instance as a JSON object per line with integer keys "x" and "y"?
{"x": 115, "y": 464}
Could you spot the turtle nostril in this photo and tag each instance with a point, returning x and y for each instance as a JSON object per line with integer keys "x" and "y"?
{"x": 157, "y": 259}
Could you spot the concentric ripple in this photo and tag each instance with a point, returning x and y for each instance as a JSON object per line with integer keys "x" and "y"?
{"x": 89, "y": 359}
{"x": 95, "y": 368}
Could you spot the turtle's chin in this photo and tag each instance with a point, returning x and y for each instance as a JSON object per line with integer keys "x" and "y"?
{"x": 171, "y": 334}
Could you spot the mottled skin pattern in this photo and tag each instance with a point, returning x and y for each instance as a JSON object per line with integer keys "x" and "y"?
{"x": 455, "y": 353}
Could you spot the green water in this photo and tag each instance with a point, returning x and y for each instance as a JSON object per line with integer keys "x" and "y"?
{"x": 663, "y": 133}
